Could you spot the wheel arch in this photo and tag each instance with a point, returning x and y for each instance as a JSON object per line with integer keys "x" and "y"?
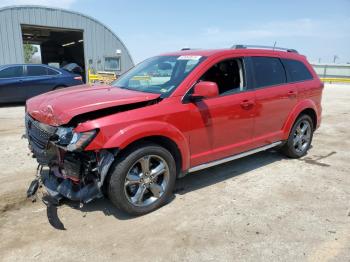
{"x": 160, "y": 133}
{"x": 311, "y": 113}
{"x": 162, "y": 141}
{"x": 59, "y": 86}
{"x": 307, "y": 107}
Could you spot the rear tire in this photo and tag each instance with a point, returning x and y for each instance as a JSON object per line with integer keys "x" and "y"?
{"x": 59, "y": 87}
{"x": 142, "y": 180}
{"x": 300, "y": 138}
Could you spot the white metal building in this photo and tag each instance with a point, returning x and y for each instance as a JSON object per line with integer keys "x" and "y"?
{"x": 64, "y": 37}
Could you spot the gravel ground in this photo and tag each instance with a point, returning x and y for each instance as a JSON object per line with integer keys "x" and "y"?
{"x": 260, "y": 208}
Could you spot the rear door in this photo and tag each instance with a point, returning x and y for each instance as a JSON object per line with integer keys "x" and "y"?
{"x": 40, "y": 79}
{"x": 11, "y": 83}
{"x": 275, "y": 98}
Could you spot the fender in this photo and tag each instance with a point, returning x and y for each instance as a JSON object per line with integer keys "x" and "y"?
{"x": 298, "y": 108}
{"x": 129, "y": 134}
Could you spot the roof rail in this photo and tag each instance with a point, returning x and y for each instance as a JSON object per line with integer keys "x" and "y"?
{"x": 264, "y": 47}
{"x": 185, "y": 49}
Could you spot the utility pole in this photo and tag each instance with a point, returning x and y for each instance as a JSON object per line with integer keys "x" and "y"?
{"x": 335, "y": 57}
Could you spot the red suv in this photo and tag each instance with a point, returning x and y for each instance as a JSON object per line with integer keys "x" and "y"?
{"x": 171, "y": 115}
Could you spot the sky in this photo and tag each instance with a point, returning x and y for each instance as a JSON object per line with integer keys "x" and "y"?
{"x": 318, "y": 29}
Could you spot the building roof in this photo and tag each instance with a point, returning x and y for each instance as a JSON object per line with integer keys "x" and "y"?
{"x": 71, "y": 12}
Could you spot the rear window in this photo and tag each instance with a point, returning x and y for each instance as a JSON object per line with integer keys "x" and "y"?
{"x": 13, "y": 71}
{"x": 268, "y": 71}
{"x": 297, "y": 71}
{"x": 36, "y": 71}
{"x": 51, "y": 72}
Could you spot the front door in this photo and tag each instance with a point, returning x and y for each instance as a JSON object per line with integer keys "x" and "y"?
{"x": 222, "y": 126}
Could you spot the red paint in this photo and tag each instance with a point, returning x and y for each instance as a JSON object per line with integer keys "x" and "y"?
{"x": 204, "y": 131}
{"x": 59, "y": 107}
{"x": 205, "y": 89}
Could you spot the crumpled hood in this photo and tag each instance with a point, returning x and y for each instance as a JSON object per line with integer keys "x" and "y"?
{"x": 59, "y": 107}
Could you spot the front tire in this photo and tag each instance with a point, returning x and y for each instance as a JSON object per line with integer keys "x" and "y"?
{"x": 300, "y": 138}
{"x": 142, "y": 180}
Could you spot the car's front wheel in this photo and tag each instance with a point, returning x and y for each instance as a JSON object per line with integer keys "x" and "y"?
{"x": 142, "y": 179}
{"x": 300, "y": 137}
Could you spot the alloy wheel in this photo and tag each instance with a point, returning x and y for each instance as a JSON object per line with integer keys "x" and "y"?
{"x": 302, "y": 136}
{"x": 146, "y": 180}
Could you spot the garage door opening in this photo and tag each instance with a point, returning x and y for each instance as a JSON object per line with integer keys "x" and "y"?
{"x": 55, "y": 46}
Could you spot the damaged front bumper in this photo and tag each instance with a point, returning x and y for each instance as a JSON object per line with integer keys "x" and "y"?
{"x": 71, "y": 172}
{"x": 59, "y": 186}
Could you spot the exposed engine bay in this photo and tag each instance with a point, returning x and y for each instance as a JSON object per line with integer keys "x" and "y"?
{"x": 72, "y": 173}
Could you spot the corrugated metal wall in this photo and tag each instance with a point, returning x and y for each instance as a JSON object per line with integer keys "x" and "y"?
{"x": 99, "y": 41}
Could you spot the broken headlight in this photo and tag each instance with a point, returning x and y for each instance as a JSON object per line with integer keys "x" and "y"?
{"x": 73, "y": 141}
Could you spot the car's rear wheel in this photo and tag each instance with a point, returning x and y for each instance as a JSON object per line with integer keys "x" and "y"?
{"x": 59, "y": 87}
{"x": 300, "y": 138}
{"x": 143, "y": 179}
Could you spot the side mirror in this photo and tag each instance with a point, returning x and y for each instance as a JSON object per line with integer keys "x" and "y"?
{"x": 204, "y": 89}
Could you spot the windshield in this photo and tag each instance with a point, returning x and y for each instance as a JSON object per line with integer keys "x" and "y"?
{"x": 161, "y": 74}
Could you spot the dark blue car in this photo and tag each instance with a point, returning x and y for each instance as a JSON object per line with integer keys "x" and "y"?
{"x": 20, "y": 82}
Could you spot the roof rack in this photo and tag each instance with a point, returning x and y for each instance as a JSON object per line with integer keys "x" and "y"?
{"x": 186, "y": 49}
{"x": 264, "y": 47}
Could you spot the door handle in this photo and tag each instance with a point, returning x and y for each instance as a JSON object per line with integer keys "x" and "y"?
{"x": 292, "y": 94}
{"x": 247, "y": 104}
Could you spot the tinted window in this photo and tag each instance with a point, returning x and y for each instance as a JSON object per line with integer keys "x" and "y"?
{"x": 51, "y": 72}
{"x": 297, "y": 70}
{"x": 268, "y": 71}
{"x": 14, "y": 71}
{"x": 36, "y": 71}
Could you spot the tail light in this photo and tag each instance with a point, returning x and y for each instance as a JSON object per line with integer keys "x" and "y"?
{"x": 78, "y": 78}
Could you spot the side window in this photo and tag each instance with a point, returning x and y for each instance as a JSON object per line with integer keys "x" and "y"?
{"x": 13, "y": 71}
{"x": 297, "y": 70}
{"x": 268, "y": 71}
{"x": 228, "y": 75}
{"x": 36, "y": 71}
{"x": 51, "y": 72}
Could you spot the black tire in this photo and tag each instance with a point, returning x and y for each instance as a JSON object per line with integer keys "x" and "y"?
{"x": 118, "y": 172}
{"x": 59, "y": 87}
{"x": 289, "y": 148}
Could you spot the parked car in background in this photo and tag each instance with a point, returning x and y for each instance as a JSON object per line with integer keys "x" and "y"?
{"x": 132, "y": 139}
{"x": 22, "y": 81}
{"x": 73, "y": 68}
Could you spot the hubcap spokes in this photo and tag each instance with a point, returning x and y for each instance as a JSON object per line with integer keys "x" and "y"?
{"x": 146, "y": 180}
{"x": 302, "y": 136}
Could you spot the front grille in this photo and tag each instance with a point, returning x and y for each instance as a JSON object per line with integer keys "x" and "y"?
{"x": 38, "y": 135}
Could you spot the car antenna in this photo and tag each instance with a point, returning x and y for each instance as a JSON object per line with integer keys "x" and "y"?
{"x": 274, "y": 45}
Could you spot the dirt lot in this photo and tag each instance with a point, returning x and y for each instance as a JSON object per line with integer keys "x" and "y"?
{"x": 260, "y": 208}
